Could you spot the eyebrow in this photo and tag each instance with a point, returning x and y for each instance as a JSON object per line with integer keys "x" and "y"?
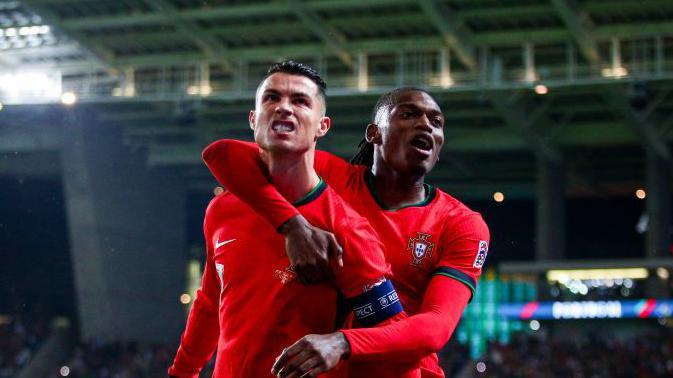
{"x": 293, "y": 95}
{"x": 416, "y": 107}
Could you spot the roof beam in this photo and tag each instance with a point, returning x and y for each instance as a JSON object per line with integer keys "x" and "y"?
{"x": 453, "y": 32}
{"x": 515, "y": 119}
{"x": 104, "y": 55}
{"x": 580, "y": 26}
{"x": 333, "y": 38}
{"x": 223, "y": 12}
{"x": 207, "y": 43}
{"x": 649, "y": 135}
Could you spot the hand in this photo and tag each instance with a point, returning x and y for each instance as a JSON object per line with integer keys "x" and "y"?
{"x": 311, "y": 356}
{"x": 310, "y": 249}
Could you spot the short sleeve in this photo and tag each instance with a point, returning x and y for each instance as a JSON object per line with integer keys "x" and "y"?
{"x": 464, "y": 246}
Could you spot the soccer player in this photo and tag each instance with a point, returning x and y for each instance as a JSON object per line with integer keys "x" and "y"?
{"x": 250, "y": 304}
{"x": 435, "y": 244}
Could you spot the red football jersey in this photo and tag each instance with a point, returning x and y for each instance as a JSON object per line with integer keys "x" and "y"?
{"x": 438, "y": 236}
{"x": 250, "y": 295}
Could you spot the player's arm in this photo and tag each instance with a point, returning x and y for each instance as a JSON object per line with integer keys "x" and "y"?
{"x": 463, "y": 249}
{"x": 238, "y": 166}
{"x": 370, "y": 296}
{"x": 450, "y": 289}
{"x": 199, "y": 340}
{"x": 416, "y": 336}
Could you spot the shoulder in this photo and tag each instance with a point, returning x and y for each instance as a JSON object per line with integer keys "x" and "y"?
{"x": 458, "y": 217}
{"x": 221, "y": 203}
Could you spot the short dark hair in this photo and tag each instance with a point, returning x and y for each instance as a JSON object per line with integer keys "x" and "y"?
{"x": 390, "y": 98}
{"x": 365, "y": 153}
{"x": 296, "y": 68}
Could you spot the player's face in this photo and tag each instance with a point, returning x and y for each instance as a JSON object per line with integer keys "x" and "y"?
{"x": 289, "y": 114}
{"x": 414, "y": 134}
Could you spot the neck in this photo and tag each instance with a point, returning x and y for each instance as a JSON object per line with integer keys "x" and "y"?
{"x": 292, "y": 174}
{"x": 397, "y": 190}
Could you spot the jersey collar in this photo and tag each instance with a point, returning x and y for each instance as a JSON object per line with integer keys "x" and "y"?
{"x": 430, "y": 193}
{"x": 313, "y": 194}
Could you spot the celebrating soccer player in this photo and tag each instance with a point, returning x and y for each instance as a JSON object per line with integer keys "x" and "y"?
{"x": 435, "y": 244}
{"x": 250, "y": 304}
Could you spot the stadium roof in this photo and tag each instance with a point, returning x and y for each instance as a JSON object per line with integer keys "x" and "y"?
{"x": 586, "y": 83}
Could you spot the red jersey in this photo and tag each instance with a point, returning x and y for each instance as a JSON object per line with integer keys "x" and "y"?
{"x": 250, "y": 297}
{"x": 439, "y": 236}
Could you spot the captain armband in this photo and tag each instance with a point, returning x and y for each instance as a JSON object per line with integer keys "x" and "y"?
{"x": 376, "y": 305}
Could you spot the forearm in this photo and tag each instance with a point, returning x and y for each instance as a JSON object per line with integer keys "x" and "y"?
{"x": 197, "y": 343}
{"x": 416, "y": 336}
{"x": 238, "y": 166}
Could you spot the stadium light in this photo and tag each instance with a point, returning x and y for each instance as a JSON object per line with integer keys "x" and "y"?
{"x": 541, "y": 89}
{"x": 596, "y": 274}
{"x": 185, "y": 298}
{"x": 641, "y": 194}
{"x": 534, "y": 325}
{"x": 68, "y": 98}
{"x": 663, "y": 273}
{"x": 27, "y": 86}
{"x": 498, "y": 197}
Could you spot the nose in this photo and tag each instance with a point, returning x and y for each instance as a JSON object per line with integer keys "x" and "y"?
{"x": 283, "y": 107}
{"x": 424, "y": 123}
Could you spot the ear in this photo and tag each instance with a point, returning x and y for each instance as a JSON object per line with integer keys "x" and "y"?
{"x": 251, "y": 119}
{"x": 373, "y": 134}
{"x": 323, "y": 126}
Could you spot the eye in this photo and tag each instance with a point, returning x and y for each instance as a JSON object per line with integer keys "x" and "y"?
{"x": 437, "y": 121}
{"x": 270, "y": 97}
{"x": 406, "y": 114}
{"x": 301, "y": 101}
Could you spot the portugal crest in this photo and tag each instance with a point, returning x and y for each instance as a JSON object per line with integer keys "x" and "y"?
{"x": 420, "y": 248}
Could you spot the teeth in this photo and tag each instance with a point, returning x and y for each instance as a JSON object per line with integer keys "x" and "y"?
{"x": 282, "y": 127}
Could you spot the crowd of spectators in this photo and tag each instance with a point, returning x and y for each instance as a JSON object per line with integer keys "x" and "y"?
{"x": 95, "y": 359}
{"x": 583, "y": 355}
{"x": 19, "y": 340}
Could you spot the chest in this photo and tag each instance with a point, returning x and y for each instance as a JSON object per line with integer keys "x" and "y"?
{"x": 411, "y": 237}
{"x": 247, "y": 251}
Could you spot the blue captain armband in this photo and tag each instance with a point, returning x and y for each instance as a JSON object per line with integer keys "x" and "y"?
{"x": 376, "y": 305}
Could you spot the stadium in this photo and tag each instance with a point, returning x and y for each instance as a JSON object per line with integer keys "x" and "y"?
{"x": 558, "y": 119}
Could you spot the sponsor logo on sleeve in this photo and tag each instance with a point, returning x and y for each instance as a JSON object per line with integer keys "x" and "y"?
{"x": 481, "y": 254}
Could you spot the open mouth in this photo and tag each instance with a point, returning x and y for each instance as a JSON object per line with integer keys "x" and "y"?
{"x": 282, "y": 126}
{"x": 423, "y": 142}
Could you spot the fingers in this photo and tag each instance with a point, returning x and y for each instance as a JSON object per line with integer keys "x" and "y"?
{"x": 297, "y": 366}
{"x": 309, "y": 368}
{"x": 287, "y": 354}
{"x": 335, "y": 249}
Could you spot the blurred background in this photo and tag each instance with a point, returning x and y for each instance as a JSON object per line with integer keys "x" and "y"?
{"x": 559, "y": 118}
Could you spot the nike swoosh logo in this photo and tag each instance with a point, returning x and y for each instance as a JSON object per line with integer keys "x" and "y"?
{"x": 219, "y": 244}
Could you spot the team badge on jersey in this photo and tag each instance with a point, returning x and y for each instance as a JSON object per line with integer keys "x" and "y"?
{"x": 481, "y": 254}
{"x": 420, "y": 248}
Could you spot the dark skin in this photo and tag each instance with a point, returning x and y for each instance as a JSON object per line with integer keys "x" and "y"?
{"x": 400, "y": 165}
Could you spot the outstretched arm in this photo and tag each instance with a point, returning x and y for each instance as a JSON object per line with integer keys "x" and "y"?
{"x": 406, "y": 340}
{"x": 238, "y": 166}
{"x": 420, "y": 334}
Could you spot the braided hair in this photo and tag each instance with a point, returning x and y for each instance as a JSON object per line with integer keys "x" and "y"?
{"x": 365, "y": 153}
